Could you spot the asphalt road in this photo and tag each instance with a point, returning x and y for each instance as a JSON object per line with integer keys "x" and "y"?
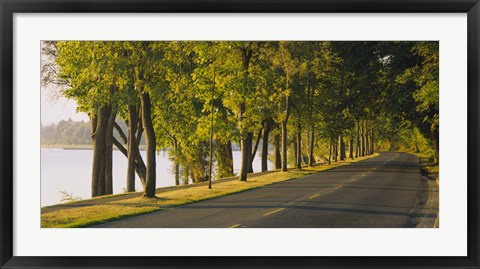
{"x": 383, "y": 192}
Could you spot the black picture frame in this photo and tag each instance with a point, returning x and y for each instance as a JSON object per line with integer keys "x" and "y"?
{"x": 9, "y": 7}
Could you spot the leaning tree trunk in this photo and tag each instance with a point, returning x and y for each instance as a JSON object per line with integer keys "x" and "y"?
{"x": 276, "y": 151}
{"x": 151, "y": 144}
{"x": 140, "y": 166}
{"x": 266, "y": 132}
{"x": 254, "y": 151}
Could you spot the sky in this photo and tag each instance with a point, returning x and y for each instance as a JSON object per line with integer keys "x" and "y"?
{"x": 53, "y": 111}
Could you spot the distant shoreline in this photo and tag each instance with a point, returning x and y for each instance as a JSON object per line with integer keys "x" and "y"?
{"x": 66, "y": 146}
{"x": 85, "y": 147}
{"x": 76, "y": 147}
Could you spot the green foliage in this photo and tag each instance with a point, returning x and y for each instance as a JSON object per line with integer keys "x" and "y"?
{"x": 329, "y": 87}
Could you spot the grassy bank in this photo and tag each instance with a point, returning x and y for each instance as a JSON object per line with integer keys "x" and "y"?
{"x": 428, "y": 167}
{"x": 95, "y": 211}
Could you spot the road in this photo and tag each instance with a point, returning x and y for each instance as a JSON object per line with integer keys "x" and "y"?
{"x": 383, "y": 192}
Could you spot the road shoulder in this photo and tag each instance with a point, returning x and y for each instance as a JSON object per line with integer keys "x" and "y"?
{"x": 428, "y": 207}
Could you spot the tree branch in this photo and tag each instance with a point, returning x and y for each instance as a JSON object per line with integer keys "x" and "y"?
{"x": 120, "y": 147}
{"x": 254, "y": 152}
{"x": 120, "y": 132}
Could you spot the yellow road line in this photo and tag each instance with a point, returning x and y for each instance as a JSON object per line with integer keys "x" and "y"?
{"x": 313, "y": 196}
{"x": 273, "y": 212}
{"x": 339, "y": 186}
{"x": 235, "y": 226}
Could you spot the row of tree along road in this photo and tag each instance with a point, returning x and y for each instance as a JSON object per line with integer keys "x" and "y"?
{"x": 308, "y": 99}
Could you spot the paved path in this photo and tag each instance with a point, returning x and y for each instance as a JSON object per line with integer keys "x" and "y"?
{"x": 385, "y": 191}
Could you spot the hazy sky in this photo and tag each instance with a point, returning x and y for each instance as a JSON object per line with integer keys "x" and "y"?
{"x": 61, "y": 109}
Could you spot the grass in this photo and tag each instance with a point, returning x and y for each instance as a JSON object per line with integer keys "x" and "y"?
{"x": 428, "y": 167}
{"x": 99, "y": 210}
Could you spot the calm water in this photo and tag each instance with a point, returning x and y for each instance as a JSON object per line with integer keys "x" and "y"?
{"x": 70, "y": 171}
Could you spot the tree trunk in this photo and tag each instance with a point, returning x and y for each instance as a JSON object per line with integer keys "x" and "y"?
{"x": 367, "y": 142}
{"x": 436, "y": 145}
{"x": 254, "y": 151}
{"x": 350, "y": 147}
{"x": 99, "y": 149}
{"x": 284, "y": 146}
{"x": 139, "y": 164}
{"x": 363, "y": 140}
{"x": 342, "y": 149}
{"x": 299, "y": 150}
{"x": 246, "y": 149}
{"x": 176, "y": 163}
{"x": 285, "y": 134}
{"x": 311, "y": 159}
{"x": 276, "y": 152}
{"x": 93, "y": 127}
{"x": 245, "y": 142}
{"x": 330, "y": 152}
{"x": 132, "y": 144}
{"x": 229, "y": 154}
{"x": 266, "y": 132}
{"x": 108, "y": 152}
{"x": 372, "y": 147}
{"x": 357, "y": 146}
{"x": 336, "y": 149}
{"x": 141, "y": 168}
{"x": 150, "y": 143}
{"x": 295, "y": 151}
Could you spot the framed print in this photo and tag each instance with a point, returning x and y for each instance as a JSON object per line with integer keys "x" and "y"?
{"x": 256, "y": 134}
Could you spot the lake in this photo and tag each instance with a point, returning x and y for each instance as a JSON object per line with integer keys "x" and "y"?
{"x": 70, "y": 171}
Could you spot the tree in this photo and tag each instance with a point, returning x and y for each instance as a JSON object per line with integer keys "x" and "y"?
{"x": 195, "y": 99}
{"x": 89, "y": 71}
